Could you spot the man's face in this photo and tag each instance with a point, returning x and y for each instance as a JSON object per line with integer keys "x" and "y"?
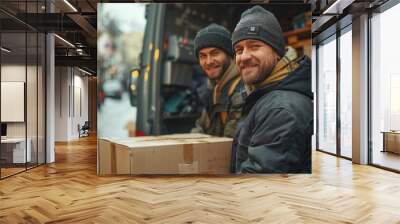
{"x": 254, "y": 60}
{"x": 213, "y": 61}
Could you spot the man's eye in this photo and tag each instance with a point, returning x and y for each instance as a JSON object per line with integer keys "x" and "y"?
{"x": 238, "y": 51}
{"x": 255, "y": 47}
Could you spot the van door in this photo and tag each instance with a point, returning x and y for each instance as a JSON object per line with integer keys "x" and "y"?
{"x": 148, "y": 114}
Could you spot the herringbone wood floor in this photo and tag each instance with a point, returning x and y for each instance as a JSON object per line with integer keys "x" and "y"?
{"x": 70, "y": 192}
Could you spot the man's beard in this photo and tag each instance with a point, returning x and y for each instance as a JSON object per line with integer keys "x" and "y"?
{"x": 263, "y": 76}
{"x": 259, "y": 78}
{"x": 225, "y": 66}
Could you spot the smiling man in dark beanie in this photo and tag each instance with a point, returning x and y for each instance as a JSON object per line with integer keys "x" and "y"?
{"x": 213, "y": 48}
{"x": 274, "y": 135}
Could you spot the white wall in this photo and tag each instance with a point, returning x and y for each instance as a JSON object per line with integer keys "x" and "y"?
{"x": 71, "y": 94}
{"x": 33, "y": 126}
{"x": 17, "y": 73}
{"x": 80, "y": 100}
{"x": 61, "y": 103}
{"x": 14, "y": 73}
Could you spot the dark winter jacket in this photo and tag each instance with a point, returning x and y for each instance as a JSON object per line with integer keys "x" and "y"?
{"x": 274, "y": 134}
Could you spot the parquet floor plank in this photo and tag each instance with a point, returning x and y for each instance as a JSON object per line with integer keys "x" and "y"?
{"x": 69, "y": 191}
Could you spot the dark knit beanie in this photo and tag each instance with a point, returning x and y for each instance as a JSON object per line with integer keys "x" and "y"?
{"x": 259, "y": 24}
{"x": 213, "y": 36}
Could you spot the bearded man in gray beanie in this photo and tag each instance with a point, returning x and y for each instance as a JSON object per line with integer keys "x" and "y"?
{"x": 274, "y": 134}
{"x": 213, "y": 48}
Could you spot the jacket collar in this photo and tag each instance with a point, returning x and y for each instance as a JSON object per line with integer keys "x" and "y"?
{"x": 230, "y": 74}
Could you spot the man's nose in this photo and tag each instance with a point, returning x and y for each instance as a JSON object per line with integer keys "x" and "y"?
{"x": 208, "y": 60}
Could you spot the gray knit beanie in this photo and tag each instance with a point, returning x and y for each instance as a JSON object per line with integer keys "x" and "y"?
{"x": 259, "y": 24}
{"x": 213, "y": 36}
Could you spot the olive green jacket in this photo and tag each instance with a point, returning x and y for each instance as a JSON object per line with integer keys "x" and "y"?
{"x": 223, "y": 111}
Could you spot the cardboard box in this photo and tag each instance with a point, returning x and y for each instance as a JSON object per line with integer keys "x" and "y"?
{"x": 105, "y": 157}
{"x": 107, "y": 154}
{"x": 168, "y": 154}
